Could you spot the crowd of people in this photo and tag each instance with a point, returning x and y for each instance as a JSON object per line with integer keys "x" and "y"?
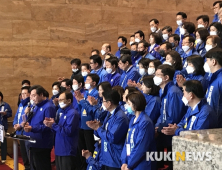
{"x": 117, "y": 107}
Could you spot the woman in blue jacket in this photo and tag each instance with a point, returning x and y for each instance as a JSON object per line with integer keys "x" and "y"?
{"x": 155, "y": 40}
{"x": 140, "y": 138}
{"x": 151, "y": 94}
{"x": 201, "y": 37}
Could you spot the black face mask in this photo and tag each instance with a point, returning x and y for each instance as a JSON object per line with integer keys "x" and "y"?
{"x": 62, "y": 89}
{"x": 141, "y": 52}
{"x": 162, "y": 53}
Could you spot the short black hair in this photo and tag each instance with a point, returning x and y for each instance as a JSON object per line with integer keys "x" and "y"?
{"x": 26, "y": 82}
{"x": 76, "y": 61}
{"x": 138, "y": 100}
{"x": 106, "y": 86}
{"x": 79, "y": 79}
{"x": 135, "y": 43}
{"x": 68, "y": 82}
{"x": 86, "y": 65}
{"x": 124, "y": 58}
{"x": 191, "y": 39}
{"x": 145, "y": 44}
{"x": 216, "y": 54}
{"x": 113, "y": 61}
{"x": 167, "y": 70}
{"x": 125, "y": 51}
{"x": 203, "y": 33}
{"x": 120, "y": 91}
{"x": 189, "y": 26}
{"x": 68, "y": 95}
{"x": 183, "y": 14}
{"x": 157, "y": 38}
{"x": 141, "y": 34}
{"x": 168, "y": 45}
{"x": 205, "y": 18}
{"x": 156, "y": 63}
{"x": 198, "y": 63}
{"x": 95, "y": 50}
{"x": 155, "y": 21}
{"x": 132, "y": 36}
{"x": 94, "y": 77}
{"x": 218, "y": 26}
{"x": 177, "y": 58}
{"x": 168, "y": 28}
{"x": 176, "y": 37}
{"x": 124, "y": 39}
{"x": 130, "y": 89}
{"x": 1, "y": 95}
{"x": 216, "y": 2}
{"x": 195, "y": 87}
{"x": 149, "y": 83}
{"x": 26, "y": 88}
{"x": 58, "y": 84}
{"x": 46, "y": 94}
{"x": 96, "y": 59}
{"x": 145, "y": 62}
{"x": 112, "y": 96}
{"x": 39, "y": 90}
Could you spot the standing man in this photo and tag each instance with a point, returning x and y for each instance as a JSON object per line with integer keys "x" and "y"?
{"x": 122, "y": 41}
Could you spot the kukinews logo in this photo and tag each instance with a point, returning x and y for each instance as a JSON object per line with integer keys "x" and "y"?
{"x": 176, "y": 156}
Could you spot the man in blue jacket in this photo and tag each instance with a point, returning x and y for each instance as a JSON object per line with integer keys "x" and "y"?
{"x": 113, "y": 131}
{"x": 66, "y": 133}
{"x": 5, "y": 113}
{"x": 122, "y": 41}
{"x": 40, "y": 157}
{"x": 200, "y": 114}
{"x": 181, "y": 18}
{"x": 213, "y": 65}
{"x": 19, "y": 118}
{"x": 172, "y": 108}
{"x": 143, "y": 50}
{"x": 216, "y": 7}
{"x": 96, "y": 66}
{"x": 111, "y": 68}
{"x": 129, "y": 72}
{"x": 174, "y": 39}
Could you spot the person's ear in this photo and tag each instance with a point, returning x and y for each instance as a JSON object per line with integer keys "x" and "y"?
{"x": 80, "y": 84}
{"x": 214, "y": 62}
{"x": 69, "y": 100}
{"x": 166, "y": 77}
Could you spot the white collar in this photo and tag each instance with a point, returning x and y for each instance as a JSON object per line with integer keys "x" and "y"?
{"x": 151, "y": 47}
{"x": 113, "y": 72}
{"x": 195, "y": 106}
{"x": 157, "y": 30}
{"x": 129, "y": 68}
{"x": 113, "y": 111}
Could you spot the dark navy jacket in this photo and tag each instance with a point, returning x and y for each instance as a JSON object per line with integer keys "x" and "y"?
{"x": 4, "y": 107}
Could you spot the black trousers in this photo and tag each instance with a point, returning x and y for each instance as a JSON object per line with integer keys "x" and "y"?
{"x": 110, "y": 168}
{"x": 86, "y": 142}
{"x": 65, "y": 162}
{"x": 25, "y": 156}
{"x": 40, "y": 158}
{"x": 160, "y": 164}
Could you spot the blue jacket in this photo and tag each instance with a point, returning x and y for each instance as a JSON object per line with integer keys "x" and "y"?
{"x": 66, "y": 132}
{"x": 102, "y": 74}
{"x": 4, "y": 119}
{"x": 154, "y": 53}
{"x": 84, "y": 104}
{"x": 94, "y": 162}
{"x": 53, "y": 97}
{"x": 214, "y": 95}
{"x": 202, "y": 117}
{"x": 191, "y": 52}
{"x": 20, "y": 112}
{"x": 43, "y": 135}
{"x": 140, "y": 137}
{"x": 177, "y": 31}
{"x": 113, "y": 134}
{"x": 75, "y": 103}
{"x": 201, "y": 49}
{"x": 180, "y": 51}
{"x": 182, "y": 37}
{"x": 216, "y": 18}
{"x": 153, "y": 104}
{"x": 149, "y": 56}
{"x": 130, "y": 74}
{"x": 136, "y": 59}
{"x": 114, "y": 79}
{"x": 117, "y": 54}
{"x": 172, "y": 111}
{"x": 140, "y": 80}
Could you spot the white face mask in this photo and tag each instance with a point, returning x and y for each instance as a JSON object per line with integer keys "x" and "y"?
{"x": 84, "y": 73}
{"x": 179, "y": 22}
{"x": 200, "y": 26}
{"x": 142, "y": 71}
{"x": 157, "y": 80}
{"x": 75, "y": 87}
{"x": 103, "y": 52}
{"x": 96, "y": 138}
{"x": 185, "y": 48}
{"x": 182, "y": 31}
{"x": 153, "y": 29}
{"x": 87, "y": 86}
{"x": 151, "y": 71}
{"x": 131, "y": 42}
{"x": 75, "y": 70}
{"x": 55, "y": 92}
{"x": 185, "y": 101}
{"x": 190, "y": 69}
{"x": 165, "y": 36}
{"x": 168, "y": 63}
{"x": 206, "y": 68}
{"x": 32, "y": 102}
{"x": 137, "y": 40}
{"x": 104, "y": 108}
{"x": 62, "y": 105}
{"x": 199, "y": 41}
{"x": 208, "y": 47}
{"x": 213, "y": 33}
{"x": 109, "y": 70}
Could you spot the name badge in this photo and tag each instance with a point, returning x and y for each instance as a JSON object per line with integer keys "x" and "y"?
{"x": 84, "y": 113}
{"x": 128, "y": 149}
{"x": 41, "y": 109}
{"x": 111, "y": 79}
{"x": 64, "y": 117}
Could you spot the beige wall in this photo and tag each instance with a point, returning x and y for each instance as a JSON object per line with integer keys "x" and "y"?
{"x": 38, "y": 38}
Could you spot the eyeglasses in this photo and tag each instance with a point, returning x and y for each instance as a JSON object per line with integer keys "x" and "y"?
{"x": 106, "y": 101}
{"x": 60, "y": 100}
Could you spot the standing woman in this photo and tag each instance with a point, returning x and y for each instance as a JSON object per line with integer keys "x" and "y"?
{"x": 201, "y": 38}
{"x": 140, "y": 138}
